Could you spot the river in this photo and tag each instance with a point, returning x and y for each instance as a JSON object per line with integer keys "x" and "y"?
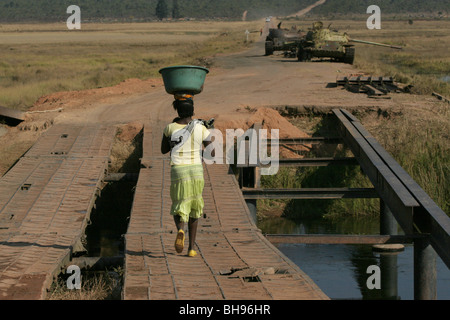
{"x": 341, "y": 270}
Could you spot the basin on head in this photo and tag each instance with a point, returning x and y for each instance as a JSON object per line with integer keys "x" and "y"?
{"x": 184, "y": 79}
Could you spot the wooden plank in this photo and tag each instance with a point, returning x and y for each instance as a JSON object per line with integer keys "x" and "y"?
{"x": 388, "y": 186}
{"x": 74, "y": 141}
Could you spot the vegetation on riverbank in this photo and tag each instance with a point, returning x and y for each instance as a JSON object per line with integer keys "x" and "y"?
{"x": 426, "y": 158}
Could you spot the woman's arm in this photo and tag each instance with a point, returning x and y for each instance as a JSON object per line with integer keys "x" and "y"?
{"x": 165, "y": 145}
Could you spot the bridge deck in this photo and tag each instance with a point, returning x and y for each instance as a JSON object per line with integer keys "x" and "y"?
{"x": 235, "y": 260}
{"x": 45, "y": 202}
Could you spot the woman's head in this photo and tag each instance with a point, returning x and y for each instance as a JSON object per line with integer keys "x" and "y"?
{"x": 184, "y": 107}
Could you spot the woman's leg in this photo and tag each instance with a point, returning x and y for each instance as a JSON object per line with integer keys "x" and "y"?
{"x": 178, "y": 223}
{"x": 193, "y": 223}
{"x": 179, "y": 241}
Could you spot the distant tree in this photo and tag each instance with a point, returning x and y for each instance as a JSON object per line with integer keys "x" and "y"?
{"x": 175, "y": 10}
{"x": 162, "y": 11}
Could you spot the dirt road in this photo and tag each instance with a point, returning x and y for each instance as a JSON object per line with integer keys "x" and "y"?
{"x": 248, "y": 79}
{"x": 308, "y": 9}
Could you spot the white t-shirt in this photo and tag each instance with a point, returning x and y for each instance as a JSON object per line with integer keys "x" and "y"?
{"x": 189, "y": 153}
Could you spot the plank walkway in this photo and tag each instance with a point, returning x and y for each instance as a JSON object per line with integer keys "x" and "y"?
{"x": 45, "y": 202}
{"x": 235, "y": 261}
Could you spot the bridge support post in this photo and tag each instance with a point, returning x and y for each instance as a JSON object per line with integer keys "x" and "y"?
{"x": 388, "y": 224}
{"x": 424, "y": 270}
{"x": 250, "y": 177}
{"x": 251, "y": 204}
{"x": 389, "y": 275}
{"x": 388, "y": 254}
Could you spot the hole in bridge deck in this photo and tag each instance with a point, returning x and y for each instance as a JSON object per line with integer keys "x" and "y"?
{"x": 25, "y": 187}
{"x": 101, "y": 259}
{"x": 109, "y": 218}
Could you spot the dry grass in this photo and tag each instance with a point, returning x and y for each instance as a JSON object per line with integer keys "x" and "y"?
{"x": 418, "y": 138}
{"x": 36, "y": 60}
{"x": 126, "y": 151}
{"x": 96, "y": 286}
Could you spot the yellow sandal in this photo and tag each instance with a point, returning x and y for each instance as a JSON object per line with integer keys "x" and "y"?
{"x": 192, "y": 253}
{"x": 179, "y": 242}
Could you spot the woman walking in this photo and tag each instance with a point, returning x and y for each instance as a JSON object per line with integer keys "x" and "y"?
{"x": 184, "y": 138}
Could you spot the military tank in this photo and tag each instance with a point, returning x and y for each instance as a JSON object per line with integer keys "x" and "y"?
{"x": 322, "y": 42}
{"x": 283, "y": 40}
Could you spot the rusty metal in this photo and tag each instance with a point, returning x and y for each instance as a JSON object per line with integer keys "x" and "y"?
{"x": 282, "y": 39}
{"x": 323, "y": 42}
{"x": 373, "y": 86}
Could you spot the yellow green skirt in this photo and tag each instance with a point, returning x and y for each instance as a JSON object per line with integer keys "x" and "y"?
{"x": 186, "y": 191}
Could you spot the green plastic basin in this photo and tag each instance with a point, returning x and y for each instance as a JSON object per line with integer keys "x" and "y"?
{"x": 184, "y": 79}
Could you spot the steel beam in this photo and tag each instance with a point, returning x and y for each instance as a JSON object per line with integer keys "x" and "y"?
{"x": 309, "y": 193}
{"x": 338, "y": 239}
{"x": 317, "y": 162}
{"x": 424, "y": 270}
{"x": 388, "y": 186}
{"x": 312, "y": 140}
{"x": 429, "y": 218}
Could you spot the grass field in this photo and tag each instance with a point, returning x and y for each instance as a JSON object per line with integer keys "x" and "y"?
{"x": 417, "y": 138}
{"x": 38, "y": 59}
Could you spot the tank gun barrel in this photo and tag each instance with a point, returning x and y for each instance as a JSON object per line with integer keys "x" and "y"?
{"x": 376, "y": 44}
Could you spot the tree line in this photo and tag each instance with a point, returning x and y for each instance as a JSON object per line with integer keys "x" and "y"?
{"x": 343, "y": 7}
{"x": 55, "y": 10}
{"x": 147, "y": 10}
